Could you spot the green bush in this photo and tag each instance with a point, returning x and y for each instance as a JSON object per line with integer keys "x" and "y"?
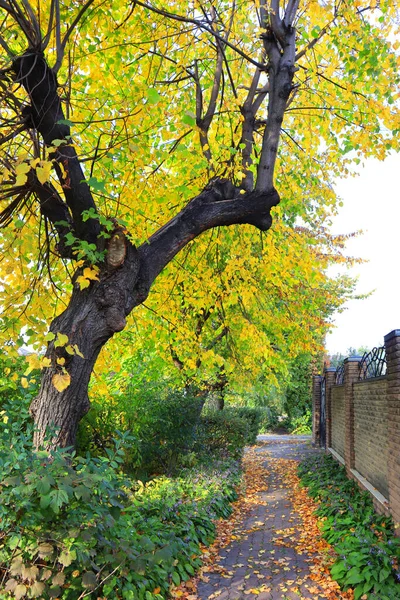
{"x": 253, "y": 417}
{"x": 301, "y": 425}
{"x": 221, "y": 434}
{"x": 73, "y": 525}
{"x": 162, "y": 423}
{"x": 368, "y": 558}
{"x": 269, "y": 419}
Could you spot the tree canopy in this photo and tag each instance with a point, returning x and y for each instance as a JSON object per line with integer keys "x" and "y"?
{"x": 128, "y": 129}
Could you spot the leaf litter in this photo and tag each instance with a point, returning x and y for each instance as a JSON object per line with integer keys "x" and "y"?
{"x": 302, "y": 537}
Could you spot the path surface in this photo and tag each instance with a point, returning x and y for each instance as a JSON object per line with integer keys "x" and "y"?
{"x": 254, "y": 565}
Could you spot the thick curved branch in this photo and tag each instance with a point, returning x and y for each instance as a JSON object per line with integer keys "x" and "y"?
{"x": 55, "y": 210}
{"x": 61, "y": 46}
{"x": 47, "y": 117}
{"x": 220, "y": 204}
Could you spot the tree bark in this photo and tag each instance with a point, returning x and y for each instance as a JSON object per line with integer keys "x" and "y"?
{"x": 90, "y": 320}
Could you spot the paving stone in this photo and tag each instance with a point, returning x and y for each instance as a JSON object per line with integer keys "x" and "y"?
{"x": 263, "y": 562}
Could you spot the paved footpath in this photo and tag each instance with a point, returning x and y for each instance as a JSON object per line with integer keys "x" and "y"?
{"x": 253, "y": 565}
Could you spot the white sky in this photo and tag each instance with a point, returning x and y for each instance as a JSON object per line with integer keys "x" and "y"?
{"x": 371, "y": 203}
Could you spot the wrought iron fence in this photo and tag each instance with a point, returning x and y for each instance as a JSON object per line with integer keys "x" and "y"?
{"x": 373, "y": 364}
{"x": 339, "y": 377}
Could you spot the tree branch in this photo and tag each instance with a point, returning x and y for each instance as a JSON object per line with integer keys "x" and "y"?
{"x": 202, "y": 26}
{"x": 219, "y": 204}
{"x": 56, "y": 211}
{"x": 281, "y": 52}
{"x": 46, "y": 116}
{"x": 61, "y": 48}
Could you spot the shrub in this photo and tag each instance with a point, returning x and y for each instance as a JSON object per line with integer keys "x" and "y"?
{"x": 368, "y": 559}
{"x": 253, "y": 417}
{"x": 73, "y": 526}
{"x": 301, "y": 425}
{"x": 221, "y": 433}
{"x": 269, "y": 419}
{"x": 162, "y": 422}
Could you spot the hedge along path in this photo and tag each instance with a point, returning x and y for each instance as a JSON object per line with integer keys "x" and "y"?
{"x": 271, "y": 547}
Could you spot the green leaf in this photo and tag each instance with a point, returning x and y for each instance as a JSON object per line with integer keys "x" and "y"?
{"x": 66, "y": 557}
{"x": 95, "y": 184}
{"x": 189, "y": 119}
{"x": 44, "y": 484}
{"x": 354, "y": 576}
{"x": 153, "y": 96}
{"x": 358, "y": 592}
{"x": 65, "y": 122}
{"x": 384, "y": 574}
{"x": 89, "y": 580}
{"x": 189, "y": 568}
{"x": 175, "y": 578}
{"x": 58, "y": 498}
{"x": 45, "y": 501}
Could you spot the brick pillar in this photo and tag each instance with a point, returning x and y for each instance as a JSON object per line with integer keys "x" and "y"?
{"x": 316, "y": 409}
{"x": 392, "y": 345}
{"x": 330, "y": 375}
{"x": 351, "y": 375}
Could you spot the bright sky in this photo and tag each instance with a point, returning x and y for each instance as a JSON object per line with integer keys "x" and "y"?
{"x": 371, "y": 203}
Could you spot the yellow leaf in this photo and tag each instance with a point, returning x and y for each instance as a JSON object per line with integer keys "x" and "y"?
{"x": 63, "y": 171}
{"x": 61, "y": 361}
{"x": 49, "y": 337}
{"x": 43, "y": 172}
{"x": 34, "y": 363}
{"x": 21, "y": 179}
{"x": 90, "y": 273}
{"x": 61, "y": 340}
{"x": 22, "y": 169}
{"x": 82, "y": 282}
{"x": 61, "y": 381}
{"x": 24, "y": 382}
{"x": 77, "y": 351}
{"x": 46, "y": 362}
{"x": 21, "y": 172}
{"x": 70, "y": 349}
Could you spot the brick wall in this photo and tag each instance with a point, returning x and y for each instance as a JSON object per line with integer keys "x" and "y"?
{"x": 392, "y": 345}
{"x": 363, "y": 424}
{"x": 371, "y": 432}
{"x": 338, "y": 420}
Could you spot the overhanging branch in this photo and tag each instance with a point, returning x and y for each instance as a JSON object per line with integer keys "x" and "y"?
{"x": 220, "y": 204}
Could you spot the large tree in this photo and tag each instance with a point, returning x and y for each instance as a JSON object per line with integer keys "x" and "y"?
{"x": 129, "y": 129}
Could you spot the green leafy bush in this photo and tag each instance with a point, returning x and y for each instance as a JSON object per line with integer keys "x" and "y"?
{"x": 301, "y": 425}
{"x": 74, "y": 525}
{"x": 368, "y": 551}
{"x": 221, "y": 434}
{"x": 269, "y": 419}
{"x": 162, "y": 423}
{"x": 253, "y": 417}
